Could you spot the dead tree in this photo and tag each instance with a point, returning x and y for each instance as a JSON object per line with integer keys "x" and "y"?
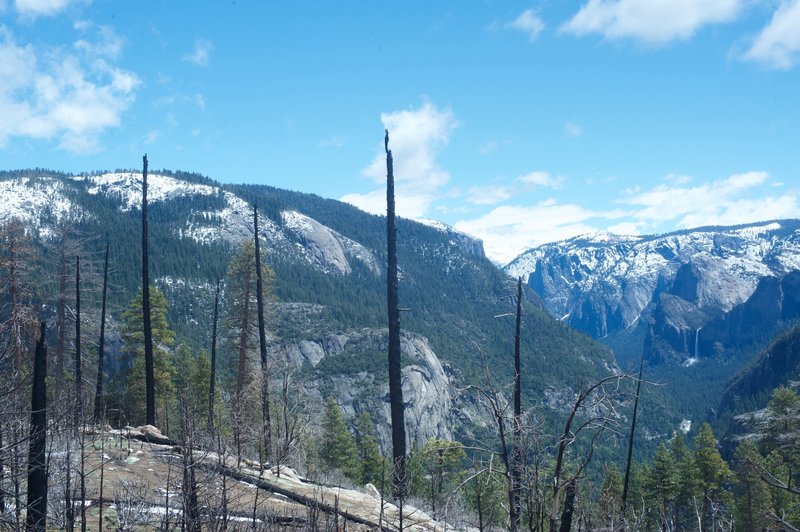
{"x": 569, "y": 507}
{"x": 98, "y": 396}
{"x": 262, "y": 342}
{"x": 213, "y": 378}
{"x": 630, "y": 440}
{"x": 78, "y": 366}
{"x": 516, "y": 459}
{"x": 395, "y": 374}
{"x": 598, "y": 404}
{"x": 61, "y": 319}
{"x": 37, "y": 466}
{"x": 149, "y": 374}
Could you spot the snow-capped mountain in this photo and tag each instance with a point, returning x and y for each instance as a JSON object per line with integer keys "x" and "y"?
{"x": 222, "y": 217}
{"x": 466, "y": 241}
{"x": 602, "y": 283}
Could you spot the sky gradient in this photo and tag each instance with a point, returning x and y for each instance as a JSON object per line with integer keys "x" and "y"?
{"x": 518, "y": 122}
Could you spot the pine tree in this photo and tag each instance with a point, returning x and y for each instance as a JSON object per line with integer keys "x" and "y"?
{"x": 240, "y": 325}
{"x": 713, "y": 474}
{"x": 338, "y": 450}
{"x": 752, "y": 493}
{"x": 662, "y": 485}
{"x": 134, "y": 344}
{"x": 611, "y": 496}
{"x": 373, "y": 468}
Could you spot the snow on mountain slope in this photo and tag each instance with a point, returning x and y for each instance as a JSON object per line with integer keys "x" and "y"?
{"x": 34, "y": 200}
{"x": 466, "y": 241}
{"x": 127, "y": 187}
{"x": 601, "y": 283}
{"x": 222, "y": 218}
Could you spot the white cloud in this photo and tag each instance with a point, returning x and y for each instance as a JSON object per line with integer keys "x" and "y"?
{"x": 510, "y": 230}
{"x": 573, "y": 130}
{"x": 528, "y": 22}
{"x": 541, "y": 179}
{"x": 107, "y": 42}
{"x": 489, "y": 195}
{"x": 720, "y": 202}
{"x": 778, "y": 44}
{"x": 55, "y": 94}
{"x": 201, "y": 53}
{"x": 655, "y": 22}
{"x": 39, "y": 8}
{"x": 415, "y": 137}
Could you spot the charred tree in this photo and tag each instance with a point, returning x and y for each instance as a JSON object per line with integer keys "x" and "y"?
{"x": 516, "y": 453}
{"x": 37, "y": 466}
{"x": 78, "y": 366}
{"x": 61, "y": 320}
{"x": 149, "y": 375}
{"x": 569, "y": 507}
{"x": 262, "y": 342}
{"x": 395, "y": 376}
{"x": 213, "y": 378}
{"x": 630, "y": 440}
{"x": 98, "y": 396}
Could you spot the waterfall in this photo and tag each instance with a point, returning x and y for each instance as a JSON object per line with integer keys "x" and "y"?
{"x": 696, "y": 343}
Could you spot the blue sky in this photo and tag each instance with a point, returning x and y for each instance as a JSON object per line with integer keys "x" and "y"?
{"x": 519, "y": 122}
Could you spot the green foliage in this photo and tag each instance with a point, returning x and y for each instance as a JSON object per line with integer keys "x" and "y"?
{"x": 191, "y": 380}
{"x": 436, "y": 470}
{"x": 338, "y": 447}
{"x": 611, "y": 495}
{"x": 133, "y": 344}
{"x": 240, "y": 283}
{"x": 752, "y": 493}
{"x": 713, "y": 474}
{"x": 374, "y": 468}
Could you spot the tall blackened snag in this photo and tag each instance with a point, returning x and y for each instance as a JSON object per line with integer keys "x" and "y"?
{"x": 98, "y": 395}
{"x": 149, "y": 375}
{"x": 395, "y": 376}
{"x": 37, "y": 460}
{"x": 262, "y": 343}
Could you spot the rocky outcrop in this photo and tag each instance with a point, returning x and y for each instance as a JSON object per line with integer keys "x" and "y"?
{"x": 325, "y": 247}
{"x": 433, "y": 406}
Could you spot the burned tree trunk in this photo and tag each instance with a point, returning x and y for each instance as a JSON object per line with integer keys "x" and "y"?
{"x": 98, "y": 396}
{"x": 149, "y": 375}
{"x": 569, "y": 507}
{"x": 262, "y": 343}
{"x": 395, "y": 376}
{"x": 516, "y": 458}
{"x": 61, "y": 320}
{"x": 213, "y": 379}
{"x": 78, "y": 366}
{"x": 37, "y": 466}
{"x": 630, "y": 440}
